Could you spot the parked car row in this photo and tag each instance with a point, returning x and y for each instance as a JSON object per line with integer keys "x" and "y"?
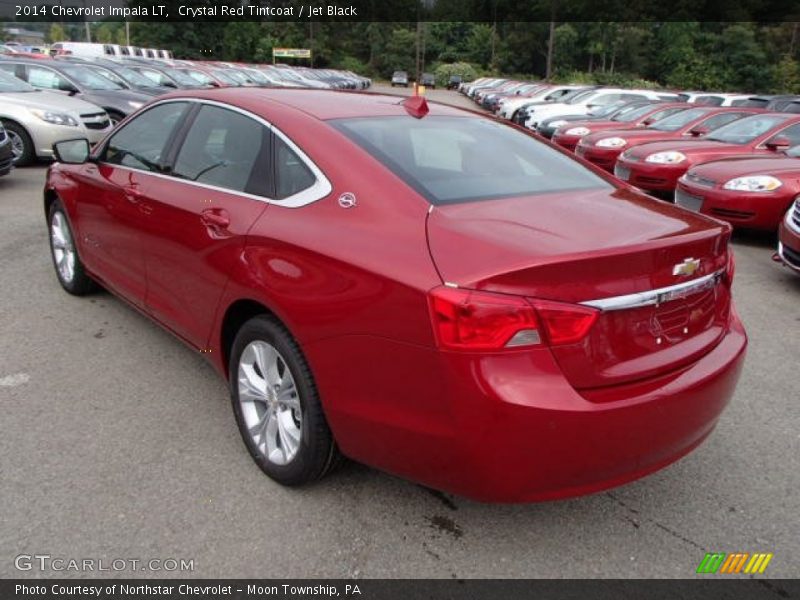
{"x": 85, "y": 96}
{"x": 733, "y": 157}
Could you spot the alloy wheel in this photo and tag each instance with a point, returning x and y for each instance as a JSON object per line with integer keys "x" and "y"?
{"x": 63, "y": 247}
{"x": 270, "y": 402}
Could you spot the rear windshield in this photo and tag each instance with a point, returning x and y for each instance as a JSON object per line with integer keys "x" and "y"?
{"x": 746, "y": 130}
{"x": 458, "y": 159}
{"x": 683, "y": 118}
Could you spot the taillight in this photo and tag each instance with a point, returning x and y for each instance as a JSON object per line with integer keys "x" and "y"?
{"x": 565, "y": 323}
{"x": 472, "y": 320}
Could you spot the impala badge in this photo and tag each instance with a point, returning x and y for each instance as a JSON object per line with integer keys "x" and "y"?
{"x": 687, "y": 268}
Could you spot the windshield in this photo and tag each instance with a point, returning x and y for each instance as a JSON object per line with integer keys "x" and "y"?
{"x": 746, "y": 130}
{"x": 636, "y": 112}
{"x": 457, "y": 159}
{"x": 9, "y": 83}
{"x": 577, "y": 97}
{"x": 683, "y": 118}
{"x": 134, "y": 78}
{"x": 225, "y": 77}
{"x": 183, "y": 79}
{"x": 90, "y": 79}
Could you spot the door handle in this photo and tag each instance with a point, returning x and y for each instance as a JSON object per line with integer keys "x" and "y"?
{"x": 216, "y": 218}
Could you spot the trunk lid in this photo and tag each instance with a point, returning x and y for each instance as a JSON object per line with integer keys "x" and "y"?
{"x": 593, "y": 246}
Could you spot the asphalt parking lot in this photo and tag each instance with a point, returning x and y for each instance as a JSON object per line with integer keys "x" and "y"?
{"x": 118, "y": 442}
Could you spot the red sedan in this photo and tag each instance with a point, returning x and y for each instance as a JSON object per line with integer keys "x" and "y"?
{"x": 789, "y": 238}
{"x": 604, "y": 148}
{"x": 748, "y": 192}
{"x": 656, "y": 166}
{"x": 567, "y": 136}
{"x": 422, "y": 289}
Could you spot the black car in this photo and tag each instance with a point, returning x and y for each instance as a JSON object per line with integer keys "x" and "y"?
{"x": 547, "y": 127}
{"x": 80, "y": 81}
{"x": 428, "y": 80}
{"x": 454, "y": 82}
{"x": 126, "y": 77}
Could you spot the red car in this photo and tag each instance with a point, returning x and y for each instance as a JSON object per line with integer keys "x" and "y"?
{"x": 656, "y": 166}
{"x": 567, "y": 136}
{"x": 604, "y": 148}
{"x": 747, "y": 192}
{"x": 789, "y": 238}
{"x": 423, "y": 289}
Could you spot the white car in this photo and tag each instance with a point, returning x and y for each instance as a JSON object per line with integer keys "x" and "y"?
{"x": 582, "y": 104}
{"x": 509, "y": 106}
{"x": 34, "y": 119}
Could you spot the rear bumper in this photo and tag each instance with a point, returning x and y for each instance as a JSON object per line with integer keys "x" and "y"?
{"x": 789, "y": 246}
{"x": 653, "y": 177}
{"x": 762, "y": 211}
{"x": 508, "y": 427}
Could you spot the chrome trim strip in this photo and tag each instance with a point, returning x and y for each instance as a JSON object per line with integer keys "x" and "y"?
{"x": 794, "y": 210}
{"x": 656, "y": 297}
{"x": 321, "y": 187}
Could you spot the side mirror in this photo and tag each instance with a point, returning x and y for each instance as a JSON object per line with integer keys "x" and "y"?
{"x": 72, "y": 152}
{"x": 647, "y": 122}
{"x": 779, "y": 142}
{"x": 699, "y": 130}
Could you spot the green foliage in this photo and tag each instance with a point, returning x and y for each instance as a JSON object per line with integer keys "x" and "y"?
{"x": 787, "y": 76}
{"x": 734, "y": 56}
{"x": 443, "y": 72}
{"x": 56, "y": 33}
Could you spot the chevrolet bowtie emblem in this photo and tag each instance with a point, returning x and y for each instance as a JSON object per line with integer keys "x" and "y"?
{"x": 687, "y": 268}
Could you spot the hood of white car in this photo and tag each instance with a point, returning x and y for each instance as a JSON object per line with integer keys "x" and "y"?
{"x": 49, "y": 101}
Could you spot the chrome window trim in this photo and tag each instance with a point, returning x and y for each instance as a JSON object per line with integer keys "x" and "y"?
{"x": 789, "y": 218}
{"x": 658, "y": 296}
{"x": 320, "y": 189}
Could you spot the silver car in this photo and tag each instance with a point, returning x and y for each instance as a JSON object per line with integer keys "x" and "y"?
{"x": 34, "y": 119}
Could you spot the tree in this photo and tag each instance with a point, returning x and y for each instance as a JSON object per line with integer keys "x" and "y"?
{"x": 56, "y": 33}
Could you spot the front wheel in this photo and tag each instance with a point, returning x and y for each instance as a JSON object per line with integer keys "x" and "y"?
{"x": 69, "y": 268}
{"x": 277, "y": 405}
{"x": 22, "y": 149}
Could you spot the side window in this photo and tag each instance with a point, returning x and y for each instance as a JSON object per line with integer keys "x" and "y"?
{"x": 792, "y": 133}
{"x": 48, "y": 79}
{"x": 719, "y": 120}
{"x": 293, "y": 176}
{"x": 629, "y": 97}
{"x": 141, "y": 142}
{"x": 226, "y": 149}
{"x": 10, "y": 69}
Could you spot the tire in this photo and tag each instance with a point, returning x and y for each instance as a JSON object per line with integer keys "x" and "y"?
{"x": 280, "y": 419}
{"x": 21, "y": 144}
{"x": 115, "y": 117}
{"x": 64, "y": 252}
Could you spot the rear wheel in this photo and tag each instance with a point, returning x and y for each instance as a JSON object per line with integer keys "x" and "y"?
{"x": 21, "y": 144}
{"x": 69, "y": 268}
{"x": 277, "y": 406}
